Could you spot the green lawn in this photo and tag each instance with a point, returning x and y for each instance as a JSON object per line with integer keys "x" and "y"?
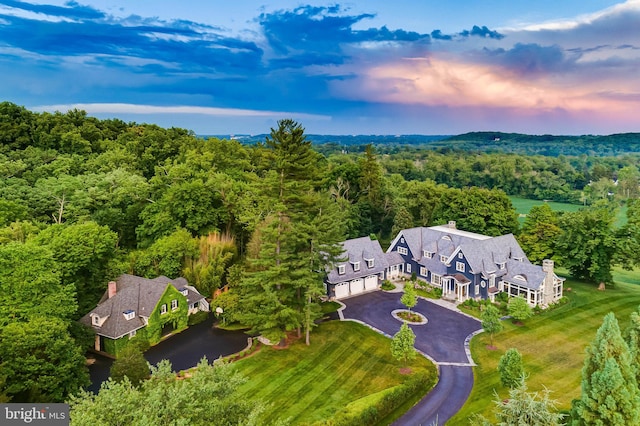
{"x": 346, "y": 362}
{"x": 552, "y": 344}
{"x": 523, "y": 205}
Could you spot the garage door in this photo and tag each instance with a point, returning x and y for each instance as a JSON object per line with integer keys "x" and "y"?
{"x": 371, "y": 283}
{"x": 357, "y": 286}
{"x": 342, "y": 290}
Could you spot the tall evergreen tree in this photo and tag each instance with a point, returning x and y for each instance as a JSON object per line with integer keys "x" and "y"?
{"x": 296, "y": 239}
{"x": 632, "y": 337}
{"x": 610, "y": 394}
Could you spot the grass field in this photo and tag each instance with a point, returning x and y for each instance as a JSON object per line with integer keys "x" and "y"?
{"x": 552, "y": 344}
{"x": 523, "y": 205}
{"x": 346, "y": 363}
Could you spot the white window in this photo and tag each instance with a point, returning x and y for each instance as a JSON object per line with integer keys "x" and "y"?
{"x": 436, "y": 279}
{"x": 402, "y": 250}
{"x": 408, "y": 267}
{"x": 174, "y": 304}
{"x": 423, "y": 271}
{"x": 402, "y": 240}
{"x": 163, "y": 309}
{"x": 341, "y": 269}
{"x": 370, "y": 263}
{"x": 460, "y": 266}
{"x": 460, "y": 255}
{"x": 184, "y": 291}
{"x": 427, "y": 254}
{"x": 132, "y": 334}
{"x": 483, "y": 284}
{"x": 356, "y": 266}
{"x": 96, "y": 320}
{"x": 443, "y": 258}
{"x": 501, "y": 265}
{"x": 129, "y": 315}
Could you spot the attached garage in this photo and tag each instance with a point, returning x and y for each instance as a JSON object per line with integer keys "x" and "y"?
{"x": 342, "y": 290}
{"x": 371, "y": 282}
{"x": 357, "y": 286}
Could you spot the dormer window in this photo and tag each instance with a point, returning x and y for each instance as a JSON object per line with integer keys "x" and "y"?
{"x": 427, "y": 254}
{"x": 501, "y": 265}
{"x": 96, "y": 320}
{"x": 520, "y": 277}
{"x": 446, "y": 237}
{"x": 129, "y": 315}
{"x": 184, "y": 291}
{"x": 443, "y": 258}
{"x": 519, "y": 259}
{"x": 341, "y": 269}
{"x": 356, "y": 266}
{"x": 370, "y": 263}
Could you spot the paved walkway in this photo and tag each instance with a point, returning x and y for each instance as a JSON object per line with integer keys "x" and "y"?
{"x": 444, "y": 340}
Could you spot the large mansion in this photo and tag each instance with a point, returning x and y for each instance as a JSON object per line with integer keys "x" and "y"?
{"x": 463, "y": 264}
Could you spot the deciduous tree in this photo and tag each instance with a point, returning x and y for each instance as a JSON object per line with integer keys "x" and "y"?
{"x": 402, "y": 344}
{"x": 491, "y": 321}
{"x": 409, "y": 297}
{"x": 519, "y": 309}
{"x": 511, "y": 369}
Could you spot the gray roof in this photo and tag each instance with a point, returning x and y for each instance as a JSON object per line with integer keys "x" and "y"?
{"x": 359, "y": 250}
{"x": 485, "y": 255}
{"x": 137, "y": 294}
{"x": 394, "y": 258}
{"x": 532, "y": 275}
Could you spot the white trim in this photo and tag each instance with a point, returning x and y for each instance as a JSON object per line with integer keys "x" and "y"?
{"x": 403, "y": 251}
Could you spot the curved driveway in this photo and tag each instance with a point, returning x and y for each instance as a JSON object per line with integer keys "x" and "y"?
{"x": 442, "y": 339}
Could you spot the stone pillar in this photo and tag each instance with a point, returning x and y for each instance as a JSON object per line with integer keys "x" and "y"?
{"x": 548, "y": 295}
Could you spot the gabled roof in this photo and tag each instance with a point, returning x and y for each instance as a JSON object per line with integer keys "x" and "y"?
{"x": 359, "y": 250}
{"x": 137, "y": 294}
{"x": 524, "y": 274}
{"x": 484, "y": 256}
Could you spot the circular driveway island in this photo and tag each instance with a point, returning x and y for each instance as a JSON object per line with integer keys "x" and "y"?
{"x": 442, "y": 339}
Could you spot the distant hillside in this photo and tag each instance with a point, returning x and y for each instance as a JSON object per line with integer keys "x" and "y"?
{"x": 550, "y": 145}
{"x": 609, "y": 145}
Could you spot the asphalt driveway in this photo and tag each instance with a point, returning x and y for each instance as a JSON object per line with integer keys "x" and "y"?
{"x": 442, "y": 339}
{"x": 184, "y": 350}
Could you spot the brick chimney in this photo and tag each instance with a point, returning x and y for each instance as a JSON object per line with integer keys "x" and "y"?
{"x": 112, "y": 289}
{"x": 452, "y": 224}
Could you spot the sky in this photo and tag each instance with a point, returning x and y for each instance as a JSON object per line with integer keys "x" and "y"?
{"x": 374, "y": 67}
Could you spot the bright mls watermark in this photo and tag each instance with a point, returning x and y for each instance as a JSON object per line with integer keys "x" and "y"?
{"x": 37, "y": 414}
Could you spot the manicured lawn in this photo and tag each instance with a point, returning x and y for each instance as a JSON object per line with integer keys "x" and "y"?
{"x": 552, "y": 344}
{"x": 345, "y": 363}
{"x": 523, "y": 205}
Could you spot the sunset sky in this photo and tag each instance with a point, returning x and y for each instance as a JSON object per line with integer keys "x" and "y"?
{"x": 374, "y": 67}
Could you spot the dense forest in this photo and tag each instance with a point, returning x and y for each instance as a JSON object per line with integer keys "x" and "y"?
{"x": 83, "y": 200}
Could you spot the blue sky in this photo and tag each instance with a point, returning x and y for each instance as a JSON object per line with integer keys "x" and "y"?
{"x": 375, "y": 67}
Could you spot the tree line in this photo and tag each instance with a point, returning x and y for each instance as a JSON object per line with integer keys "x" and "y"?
{"x": 83, "y": 200}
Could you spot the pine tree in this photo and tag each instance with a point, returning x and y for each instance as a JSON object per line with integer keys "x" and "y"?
{"x": 633, "y": 341}
{"x": 292, "y": 245}
{"x": 610, "y": 393}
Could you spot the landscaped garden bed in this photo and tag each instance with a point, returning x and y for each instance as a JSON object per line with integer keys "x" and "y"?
{"x": 409, "y": 317}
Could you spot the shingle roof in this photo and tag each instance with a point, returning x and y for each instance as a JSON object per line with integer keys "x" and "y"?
{"x": 359, "y": 250}
{"x": 137, "y": 294}
{"x": 524, "y": 274}
{"x": 483, "y": 256}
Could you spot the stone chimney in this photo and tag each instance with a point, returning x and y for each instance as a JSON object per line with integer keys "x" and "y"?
{"x": 452, "y": 224}
{"x": 548, "y": 296}
{"x": 112, "y": 289}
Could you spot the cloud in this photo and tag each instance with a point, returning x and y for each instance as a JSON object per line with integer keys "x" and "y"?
{"x": 483, "y": 32}
{"x": 120, "y": 108}
{"x": 532, "y": 59}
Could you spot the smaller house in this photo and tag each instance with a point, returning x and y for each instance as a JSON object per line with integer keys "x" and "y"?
{"x": 147, "y": 308}
{"x": 362, "y": 268}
